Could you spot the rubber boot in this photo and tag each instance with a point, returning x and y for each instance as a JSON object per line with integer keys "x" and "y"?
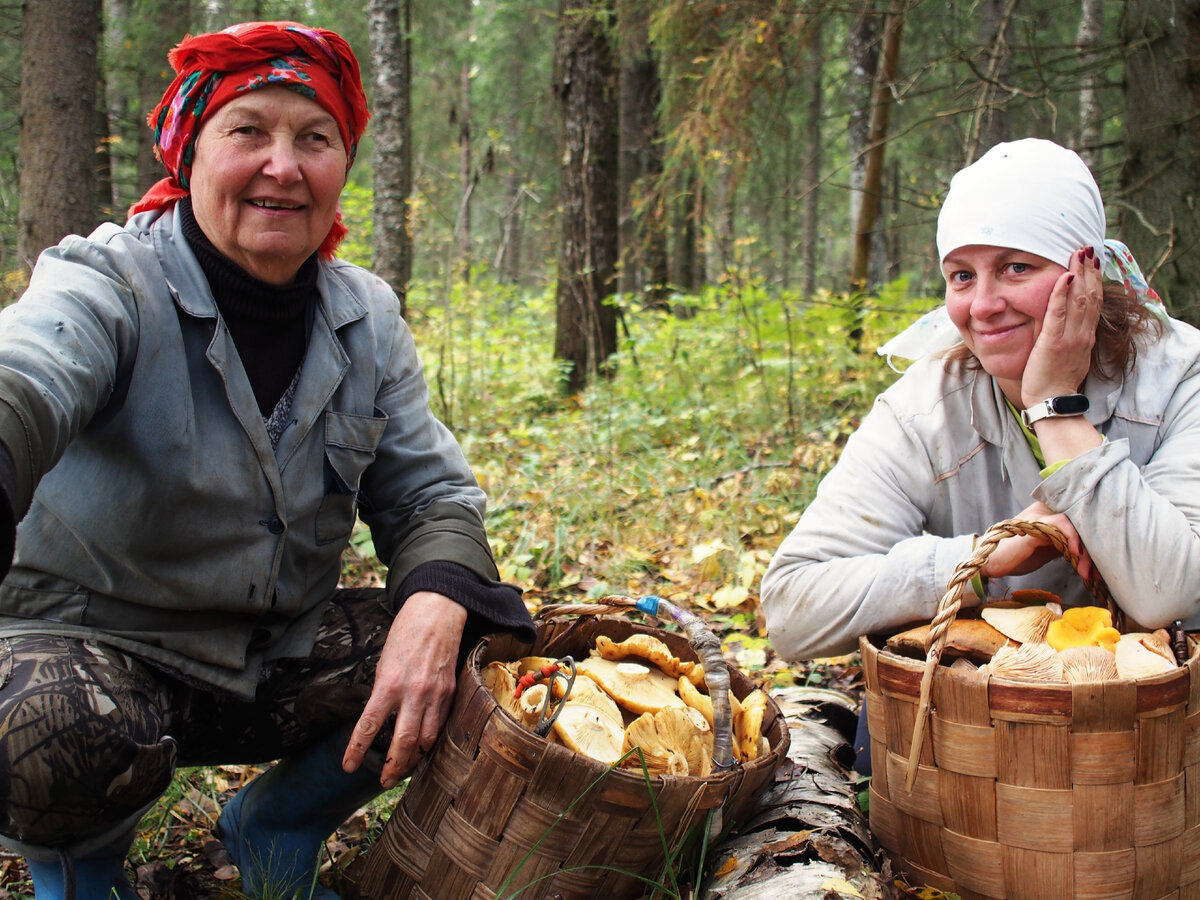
{"x": 95, "y": 878}
{"x": 275, "y": 827}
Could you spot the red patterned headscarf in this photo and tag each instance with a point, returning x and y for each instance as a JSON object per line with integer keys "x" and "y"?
{"x": 212, "y": 69}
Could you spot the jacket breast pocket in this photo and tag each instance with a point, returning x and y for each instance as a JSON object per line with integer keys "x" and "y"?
{"x": 350, "y": 445}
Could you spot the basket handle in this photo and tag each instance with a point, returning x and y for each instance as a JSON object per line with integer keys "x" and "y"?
{"x": 951, "y": 602}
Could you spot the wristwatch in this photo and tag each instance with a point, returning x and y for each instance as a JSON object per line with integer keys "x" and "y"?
{"x": 1051, "y": 407}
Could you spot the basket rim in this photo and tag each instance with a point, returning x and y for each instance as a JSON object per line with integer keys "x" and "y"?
{"x": 889, "y": 657}
{"x": 774, "y": 720}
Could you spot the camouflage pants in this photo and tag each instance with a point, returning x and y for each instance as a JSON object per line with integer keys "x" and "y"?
{"x": 90, "y": 736}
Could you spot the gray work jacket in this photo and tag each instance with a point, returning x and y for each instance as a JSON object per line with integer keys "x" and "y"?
{"x": 940, "y": 458}
{"x": 162, "y": 517}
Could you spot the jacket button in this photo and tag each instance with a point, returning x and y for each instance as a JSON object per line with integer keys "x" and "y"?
{"x": 274, "y": 525}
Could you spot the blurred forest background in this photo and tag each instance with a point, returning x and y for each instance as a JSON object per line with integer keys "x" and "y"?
{"x": 647, "y": 246}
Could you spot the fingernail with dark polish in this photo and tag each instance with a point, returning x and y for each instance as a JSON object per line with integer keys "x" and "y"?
{"x": 1070, "y": 278}
{"x": 1097, "y": 262}
{"x": 1091, "y": 251}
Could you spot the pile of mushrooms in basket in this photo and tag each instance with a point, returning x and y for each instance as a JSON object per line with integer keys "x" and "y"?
{"x": 1030, "y": 637}
{"x": 626, "y": 695}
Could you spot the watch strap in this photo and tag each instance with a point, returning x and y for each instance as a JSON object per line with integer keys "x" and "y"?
{"x": 1055, "y": 407}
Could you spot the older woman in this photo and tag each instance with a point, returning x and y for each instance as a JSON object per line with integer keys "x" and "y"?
{"x": 1067, "y": 400}
{"x": 193, "y": 410}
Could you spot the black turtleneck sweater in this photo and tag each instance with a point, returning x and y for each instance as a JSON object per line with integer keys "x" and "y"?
{"x": 269, "y": 323}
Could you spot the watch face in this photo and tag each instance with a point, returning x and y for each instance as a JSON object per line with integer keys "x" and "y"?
{"x": 1069, "y": 405}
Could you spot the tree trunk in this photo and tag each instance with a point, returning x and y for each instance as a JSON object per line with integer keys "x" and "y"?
{"x": 390, "y": 25}
{"x": 990, "y": 123}
{"x": 863, "y": 50}
{"x": 59, "y": 72}
{"x": 812, "y": 191}
{"x": 587, "y": 91}
{"x": 807, "y": 835}
{"x": 465, "y": 174}
{"x": 641, "y": 228}
{"x": 508, "y": 257}
{"x": 868, "y": 213}
{"x": 685, "y": 254}
{"x": 1091, "y": 115}
{"x": 1161, "y": 176}
{"x": 159, "y": 26}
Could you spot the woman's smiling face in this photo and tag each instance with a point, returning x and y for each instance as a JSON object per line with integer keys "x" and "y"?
{"x": 269, "y": 169}
{"x": 997, "y": 299}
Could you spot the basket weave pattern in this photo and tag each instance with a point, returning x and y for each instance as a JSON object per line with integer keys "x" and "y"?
{"x": 1026, "y": 790}
{"x": 494, "y": 809}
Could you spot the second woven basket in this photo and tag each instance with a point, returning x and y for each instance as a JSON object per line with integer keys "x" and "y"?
{"x": 998, "y": 788}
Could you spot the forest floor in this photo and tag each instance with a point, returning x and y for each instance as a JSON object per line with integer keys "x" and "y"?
{"x": 177, "y": 856}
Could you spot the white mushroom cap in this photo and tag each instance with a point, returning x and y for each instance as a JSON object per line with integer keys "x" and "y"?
{"x": 585, "y": 730}
{"x": 652, "y": 649}
{"x": 1137, "y": 658}
{"x": 635, "y": 687}
{"x": 1024, "y": 624}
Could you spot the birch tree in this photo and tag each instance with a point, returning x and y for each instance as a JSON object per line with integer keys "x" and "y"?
{"x": 390, "y": 26}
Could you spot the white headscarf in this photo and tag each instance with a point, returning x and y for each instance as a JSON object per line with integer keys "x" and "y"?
{"x": 1030, "y": 195}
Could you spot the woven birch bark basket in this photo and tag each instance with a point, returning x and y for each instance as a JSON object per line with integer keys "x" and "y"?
{"x": 497, "y": 811}
{"x": 1000, "y": 788}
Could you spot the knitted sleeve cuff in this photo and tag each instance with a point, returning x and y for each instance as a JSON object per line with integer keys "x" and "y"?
{"x": 491, "y": 606}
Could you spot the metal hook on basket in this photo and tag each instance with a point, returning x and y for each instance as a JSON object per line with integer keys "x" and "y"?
{"x": 562, "y": 668}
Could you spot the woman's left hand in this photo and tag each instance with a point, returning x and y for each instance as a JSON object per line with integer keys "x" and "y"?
{"x": 415, "y": 679}
{"x": 1062, "y": 353}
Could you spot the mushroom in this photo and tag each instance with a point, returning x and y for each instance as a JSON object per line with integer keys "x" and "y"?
{"x": 1024, "y": 624}
{"x": 1160, "y": 642}
{"x": 527, "y": 664}
{"x": 1136, "y": 658}
{"x": 586, "y": 730}
{"x": 671, "y": 741}
{"x": 747, "y": 724}
{"x": 661, "y": 757}
{"x": 1029, "y": 662}
{"x": 499, "y": 678}
{"x": 696, "y": 700}
{"x": 970, "y": 638}
{"x": 1088, "y": 663}
{"x": 586, "y": 692}
{"x": 648, "y": 647}
{"x": 529, "y": 708}
{"x": 635, "y": 687}
{"x": 1083, "y": 626}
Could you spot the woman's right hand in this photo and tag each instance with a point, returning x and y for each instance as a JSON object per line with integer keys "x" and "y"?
{"x": 1022, "y": 554}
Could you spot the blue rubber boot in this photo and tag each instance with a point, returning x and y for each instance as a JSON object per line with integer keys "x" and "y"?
{"x": 275, "y": 827}
{"x": 95, "y": 878}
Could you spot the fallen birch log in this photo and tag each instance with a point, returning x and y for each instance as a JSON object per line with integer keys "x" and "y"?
{"x": 808, "y": 837}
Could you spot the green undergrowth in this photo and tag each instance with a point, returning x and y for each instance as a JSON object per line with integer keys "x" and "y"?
{"x": 679, "y": 474}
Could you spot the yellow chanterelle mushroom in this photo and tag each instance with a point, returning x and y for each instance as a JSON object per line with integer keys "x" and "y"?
{"x": 1083, "y": 626}
{"x": 670, "y": 741}
{"x": 648, "y": 647}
